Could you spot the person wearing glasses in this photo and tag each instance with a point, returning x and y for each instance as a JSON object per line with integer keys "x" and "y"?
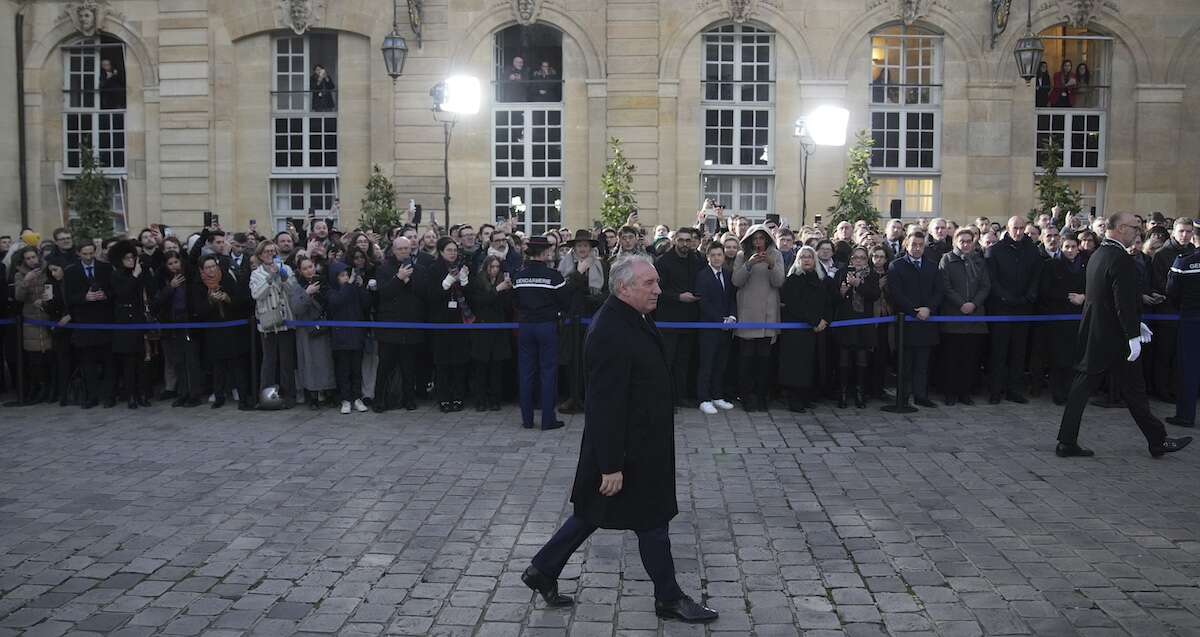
{"x": 1113, "y": 335}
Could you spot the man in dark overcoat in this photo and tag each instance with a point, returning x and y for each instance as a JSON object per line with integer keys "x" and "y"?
{"x": 915, "y": 287}
{"x": 1111, "y": 336}
{"x": 626, "y": 473}
{"x": 88, "y": 288}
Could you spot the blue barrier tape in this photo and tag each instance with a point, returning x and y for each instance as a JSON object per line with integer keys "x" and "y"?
{"x": 406, "y": 326}
{"x": 8, "y": 322}
{"x": 1031, "y": 318}
{"x": 136, "y": 327}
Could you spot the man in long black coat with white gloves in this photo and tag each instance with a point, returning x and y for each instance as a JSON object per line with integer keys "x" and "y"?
{"x": 626, "y": 473}
{"x": 1111, "y": 336}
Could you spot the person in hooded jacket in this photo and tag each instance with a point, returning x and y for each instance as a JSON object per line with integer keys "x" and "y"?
{"x": 758, "y": 274}
{"x": 347, "y": 300}
{"x": 30, "y": 278}
{"x": 130, "y": 286}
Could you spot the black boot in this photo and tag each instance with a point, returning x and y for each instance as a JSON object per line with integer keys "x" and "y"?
{"x": 545, "y": 586}
{"x": 843, "y": 380}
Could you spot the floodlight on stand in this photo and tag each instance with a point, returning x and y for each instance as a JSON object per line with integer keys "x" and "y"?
{"x": 827, "y": 125}
{"x": 459, "y": 95}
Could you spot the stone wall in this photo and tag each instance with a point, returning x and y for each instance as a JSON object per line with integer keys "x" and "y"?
{"x": 199, "y": 81}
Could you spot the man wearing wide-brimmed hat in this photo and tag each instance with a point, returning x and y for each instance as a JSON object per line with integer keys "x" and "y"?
{"x": 584, "y": 271}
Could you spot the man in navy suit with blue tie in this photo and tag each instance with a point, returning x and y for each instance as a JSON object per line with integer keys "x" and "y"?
{"x": 718, "y": 304}
{"x": 915, "y": 287}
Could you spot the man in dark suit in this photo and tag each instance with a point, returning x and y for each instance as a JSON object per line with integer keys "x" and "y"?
{"x": 718, "y": 304}
{"x": 88, "y": 287}
{"x": 626, "y": 473}
{"x": 1111, "y": 336}
{"x": 677, "y": 274}
{"x": 915, "y": 286}
{"x": 1014, "y": 267}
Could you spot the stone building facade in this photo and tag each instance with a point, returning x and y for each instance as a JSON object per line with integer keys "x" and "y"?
{"x": 215, "y": 105}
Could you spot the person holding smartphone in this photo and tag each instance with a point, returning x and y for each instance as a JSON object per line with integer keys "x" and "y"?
{"x": 490, "y": 295}
{"x": 447, "y": 304}
{"x": 758, "y": 274}
{"x": 33, "y": 290}
{"x": 857, "y": 289}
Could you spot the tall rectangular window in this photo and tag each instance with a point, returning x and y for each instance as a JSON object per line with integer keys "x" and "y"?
{"x": 527, "y": 167}
{"x": 918, "y": 196}
{"x": 94, "y": 102}
{"x": 304, "y": 105}
{"x": 295, "y": 197}
{"x": 738, "y": 103}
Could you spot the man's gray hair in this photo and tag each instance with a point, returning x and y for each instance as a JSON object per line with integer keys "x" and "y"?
{"x": 621, "y": 273}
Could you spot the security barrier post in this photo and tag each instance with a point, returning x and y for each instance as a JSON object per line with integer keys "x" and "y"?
{"x": 901, "y": 406}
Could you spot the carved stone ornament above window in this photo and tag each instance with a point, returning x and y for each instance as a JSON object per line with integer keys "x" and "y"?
{"x": 88, "y": 16}
{"x": 908, "y": 11}
{"x": 738, "y": 10}
{"x": 526, "y": 11}
{"x": 301, "y": 15}
{"x": 1079, "y": 13}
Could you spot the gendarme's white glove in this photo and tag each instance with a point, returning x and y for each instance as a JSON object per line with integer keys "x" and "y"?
{"x": 1135, "y": 349}
{"x": 448, "y": 281}
{"x": 462, "y": 276}
{"x": 1146, "y": 333}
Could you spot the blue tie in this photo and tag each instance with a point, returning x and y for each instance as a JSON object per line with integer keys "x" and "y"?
{"x": 89, "y": 272}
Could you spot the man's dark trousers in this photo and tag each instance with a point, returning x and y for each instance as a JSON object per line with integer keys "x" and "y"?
{"x": 679, "y": 345}
{"x": 916, "y": 372}
{"x": 1127, "y": 376}
{"x": 714, "y": 354}
{"x": 1187, "y": 361}
{"x": 653, "y": 544}
{"x": 99, "y": 371}
{"x": 537, "y": 355}
{"x": 1009, "y": 345}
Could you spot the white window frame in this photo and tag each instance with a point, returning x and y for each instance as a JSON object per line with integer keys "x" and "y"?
{"x": 118, "y": 190}
{"x": 527, "y": 143}
{"x": 935, "y": 69}
{"x": 883, "y": 200}
{"x": 93, "y": 46}
{"x": 305, "y": 114}
{"x": 739, "y": 36}
{"x": 732, "y": 199}
{"x": 903, "y": 148}
{"x": 275, "y": 193}
{"x": 523, "y": 220}
{"x": 1068, "y": 142}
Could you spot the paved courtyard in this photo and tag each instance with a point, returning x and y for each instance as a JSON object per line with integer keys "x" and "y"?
{"x": 957, "y": 521}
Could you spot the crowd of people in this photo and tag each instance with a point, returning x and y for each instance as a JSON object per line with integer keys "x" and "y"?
{"x": 743, "y": 276}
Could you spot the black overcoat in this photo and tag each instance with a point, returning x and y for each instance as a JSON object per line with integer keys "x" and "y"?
{"x": 910, "y": 289}
{"x": 76, "y": 285}
{"x": 1057, "y": 281}
{"x": 129, "y": 306}
{"x": 804, "y": 298}
{"x": 858, "y": 337}
{"x": 1112, "y": 311}
{"x": 222, "y": 343}
{"x": 489, "y": 306}
{"x": 400, "y": 302}
{"x": 450, "y": 347}
{"x": 629, "y": 423}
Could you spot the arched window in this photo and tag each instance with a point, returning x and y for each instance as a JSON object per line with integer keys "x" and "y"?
{"x": 94, "y": 118}
{"x": 527, "y": 128}
{"x": 1071, "y": 107}
{"x": 906, "y": 118}
{"x": 304, "y": 121}
{"x": 738, "y": 103}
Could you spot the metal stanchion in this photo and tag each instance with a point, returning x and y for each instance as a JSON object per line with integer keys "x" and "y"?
{"x": 252, "y": 399}
{"x": 901, "y": 406}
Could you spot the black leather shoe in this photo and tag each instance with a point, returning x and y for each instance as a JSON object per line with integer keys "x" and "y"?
{"x": 951, "y": 401}
{"x": 557, "y": 424}
{"x": 1014, "y": 397}
{"x": 1169, "y": 445}
{"x": 924, "y": 402}
{"x": 178, "y": 402}
{"x": 1178, "y": 422}
{"x": 88, "y": 404}
{"x": 110, "y": 403}
{"x": 1072, "y": 451}
{"x": 966, "y": 400}
{"x": 994, "y": 399}
{"x": 144, "y": 402}
{"x": 133, "y": 404}
{"x": 219, "y": 402}
{"x": 685, "y": 609}
{"x": 546, "y": 587}
{"x": 410, "y": 405}
{"x": 526, "y": 425}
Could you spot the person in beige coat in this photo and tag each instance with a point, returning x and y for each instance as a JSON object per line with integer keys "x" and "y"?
{"x": 758, "y": 274}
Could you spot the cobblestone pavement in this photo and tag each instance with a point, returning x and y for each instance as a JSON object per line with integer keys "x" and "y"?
{"x": 955, "y": 521}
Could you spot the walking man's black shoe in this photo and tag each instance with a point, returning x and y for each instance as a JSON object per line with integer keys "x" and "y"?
{"x": 1064, "y": 450}
{"x": 685, "y": 609}
{"x": 1178, "y": 422}
{"x": 557, "y": 424}
{"x": 546, "y": 587}
{"x": 1169, "y": 445}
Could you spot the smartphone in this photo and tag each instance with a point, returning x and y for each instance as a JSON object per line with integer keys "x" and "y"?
{"x": 216, "y": 219}
{"x": 253, "y": 223}
{"x": 208, "y": 218}
{"x": 816, "y": 218}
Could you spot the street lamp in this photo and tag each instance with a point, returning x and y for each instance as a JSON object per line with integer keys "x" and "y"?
{"x": 825, "y": 126}
{"x": 453, "y": 96}
{"x": 395, "y": 49}
{"x": 1029, "y": 50}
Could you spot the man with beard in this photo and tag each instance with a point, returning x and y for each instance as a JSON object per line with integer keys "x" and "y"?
{"x": 677, "y": 270}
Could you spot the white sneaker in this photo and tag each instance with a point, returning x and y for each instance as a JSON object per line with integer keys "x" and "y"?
{"x": 345, "y": 406}
{"x": 723, "y": 404}
{"x": 359, "y": 406}
{"x": 708, "y": 408}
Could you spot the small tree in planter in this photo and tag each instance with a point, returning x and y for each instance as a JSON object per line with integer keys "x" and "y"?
{"x": 852, "y": 200}
{"x": 1053, "y": 191}
{"x": 379, "y": 211}
{"x": 617, "y": 185}
{"x": 91, "y": 199}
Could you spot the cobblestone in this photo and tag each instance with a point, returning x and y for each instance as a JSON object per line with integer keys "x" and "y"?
{"x": 955, "y": 522}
